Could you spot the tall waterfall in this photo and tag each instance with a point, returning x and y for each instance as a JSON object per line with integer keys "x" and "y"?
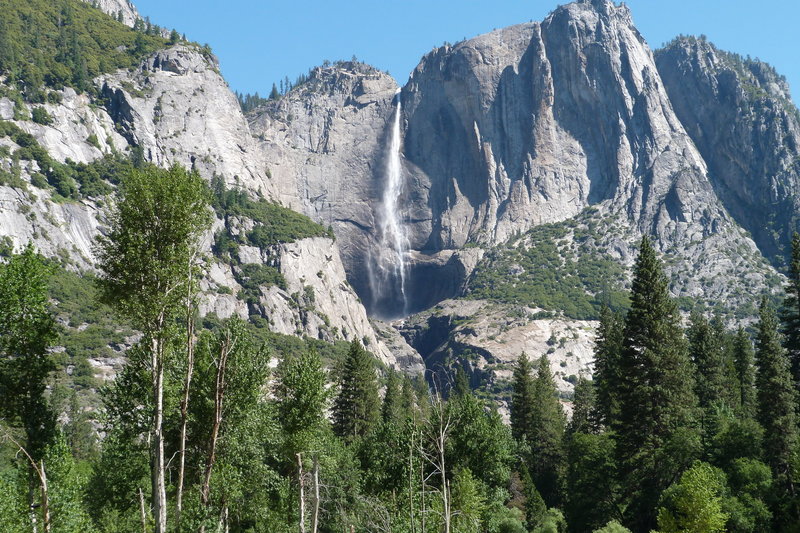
{"x": 388, "y": 261}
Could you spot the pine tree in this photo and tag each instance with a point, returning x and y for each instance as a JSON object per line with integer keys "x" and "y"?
{"x": 584, "y": 413}
{"x": 776, "y": 400}
{"x": 546, "y": 436}
{"x": 607, "y": 379}
{"x": 656, "y": 434}
{"x": 521, "y": 398}
{"x": 790, "y": 314}
{"x": 392, "y": 407}
{"x": 745, "y": 373}
{"x": 705, "y": 350}
{"x": 356, "y": 408}
{"x": 274, "y": 94}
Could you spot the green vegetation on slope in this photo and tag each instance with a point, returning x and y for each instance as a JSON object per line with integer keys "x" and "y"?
{"x": 274, "y": 224}
{"x": 57, "y": 43}
{"x": 70, "y": 180}
{"x": 555, "y": 267}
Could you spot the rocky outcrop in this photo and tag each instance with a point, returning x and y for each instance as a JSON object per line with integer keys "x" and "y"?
{"x": 486, "y": 339}
{"x": 317, "y": 301}
{"x": 177, "y": 108}
{"x": 64, "y": 230}
{"x": 325, "y": 146}
{"x": 80, "y": 130}
{"x": 122, "y": 10}
{"x": 740, "y": 116}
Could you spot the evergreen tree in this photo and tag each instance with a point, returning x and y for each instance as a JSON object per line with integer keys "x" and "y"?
{"x": 592, "y": 488}
{"x": 706, "y": 352}
{"x": 392, "y": 407}
{"x": 656, "y": 434}
{"x": 790, "y": 314}
{"x": 546, "y": 436}
{"x": 584, "y": 414}
{"x": 522, "y": 398}
{"x": 776, "y": 401}
{"x": 745, "y": 373}
{"x": 274, "y": 94}
{"x": 356, "y": 408}
{"x": 607, "y": 378}
{"x": 479, "y": 440}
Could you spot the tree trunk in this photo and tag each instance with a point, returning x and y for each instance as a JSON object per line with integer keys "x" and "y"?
{"x": 315, "y": 514}
{"x": 32, "y": 508}
{"x": 185, "y": 404}
{"x": 45, "y": 499}
{"x": 159, "y": 466}
{"x": 302, "y": 495}
{"x": 219, "y": 397}
{"x": 142, "y": 510}
{"x": 445, "y": 488}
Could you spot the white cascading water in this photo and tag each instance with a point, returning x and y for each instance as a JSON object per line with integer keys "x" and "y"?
{"x": 388, "y": 280}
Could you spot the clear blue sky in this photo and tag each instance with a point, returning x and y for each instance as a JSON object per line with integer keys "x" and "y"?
{"x": 259, "y": 42}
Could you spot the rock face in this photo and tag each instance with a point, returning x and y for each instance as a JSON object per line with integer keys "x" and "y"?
{"x": 325, "y": 147}
{"x": 740, "y": 116}
{"x": 486, "y": 339}
{"x": 122, "y": 10}
{"x": 177, "y": 108}
{"x": 317, "y": 301}
{"x": 522, "y": 126}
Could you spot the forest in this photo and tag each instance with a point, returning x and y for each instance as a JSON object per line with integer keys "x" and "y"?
{"x": 681, "y": 429}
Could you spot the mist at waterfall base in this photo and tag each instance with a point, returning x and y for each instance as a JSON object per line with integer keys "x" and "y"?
{"x": 387, "y": 262}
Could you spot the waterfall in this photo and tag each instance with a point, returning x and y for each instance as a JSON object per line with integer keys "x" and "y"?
{"x": 388, "y": 262}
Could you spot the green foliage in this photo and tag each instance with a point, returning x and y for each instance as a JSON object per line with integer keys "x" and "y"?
{"x": 790, "y": 312}
{"x": 656, "y": 432}
{"x": 27, "y": 330}
{"x": 743, "y": 361}
{"x": 584, "y": 412}
{"x": 607, "y": 370}
{"x": 249, "y": 102}
{"x": 553, "y": 522}
{"x": 70, "y": 179}
{"x": 273, "y": 224}
{"x": 750, "y": 484}
{"x": 694, "y": 504}
{"x": 468, "y": 502}
{"x": 540, "y": 270}
{"x": 613, "y": 527}
{"x": 480, "y": 442}
{"x": 13, "y": 504}
{"x": 776, "y": 400}
{"x": 522, "y": 398}
{"x": 356, "y": 408}
{"x": 65, "y": 42}
{"x": 302, "y": 399}
{"x": 592, "y": 488}
{"x": 152, "y": 245}
{"x": 254, "y": 276}
{"x": 546, "y": 436}
{"x": 706, "y": 352}
{"x": 41, "y": 116}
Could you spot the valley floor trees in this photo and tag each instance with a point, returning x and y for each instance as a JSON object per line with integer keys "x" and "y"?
{"x": 682, "y": 429}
